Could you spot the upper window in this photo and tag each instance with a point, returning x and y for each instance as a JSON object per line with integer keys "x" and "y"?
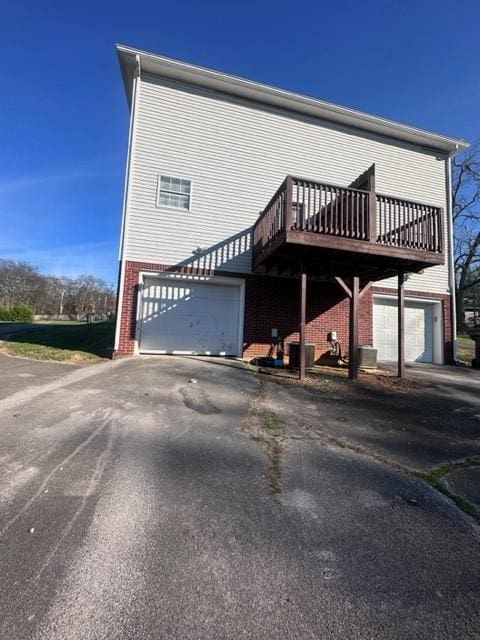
{"x": 174, "y": 192}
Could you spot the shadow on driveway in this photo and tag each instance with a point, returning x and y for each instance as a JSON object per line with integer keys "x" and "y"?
{"x": 419, "y": 428}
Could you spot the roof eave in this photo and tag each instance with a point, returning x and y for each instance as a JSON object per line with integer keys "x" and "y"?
{"x": 266, "y": 94}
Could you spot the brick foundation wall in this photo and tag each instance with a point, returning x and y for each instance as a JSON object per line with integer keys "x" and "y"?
{"x": 128, "y": 312}
{"x": 275, "y": 303}
{"x": 269, "y": 303}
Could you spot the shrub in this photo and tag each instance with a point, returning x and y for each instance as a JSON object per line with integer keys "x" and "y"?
{"x": 23, "y": 313}
{"x": 17, "y": 313}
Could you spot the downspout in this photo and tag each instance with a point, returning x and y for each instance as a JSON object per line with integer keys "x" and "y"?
{"x": 121, "y": 273}
{"x": 451, "y": 257}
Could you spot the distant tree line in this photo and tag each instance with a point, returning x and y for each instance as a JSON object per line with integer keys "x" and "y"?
{"x": 22, "y": 284}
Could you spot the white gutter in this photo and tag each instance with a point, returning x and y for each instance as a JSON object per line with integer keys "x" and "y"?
{"x": 451, "y": 255}
{"x": 126, "y": 190}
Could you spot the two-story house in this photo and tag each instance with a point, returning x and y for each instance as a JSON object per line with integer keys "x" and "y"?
{"x": 252, "y": 212}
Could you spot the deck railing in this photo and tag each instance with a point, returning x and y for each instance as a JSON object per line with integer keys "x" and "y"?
{"x": 408, "y": 224}
{"x": 343, "y": 212}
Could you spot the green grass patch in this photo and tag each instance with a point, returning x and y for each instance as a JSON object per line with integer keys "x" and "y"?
{"x": 271, "y": 420}
{"x": 273, "y": 472}
{"x": 265, "y": 427}
{"x": 436, "y": 478}
{"x": 64, "y": 342}
{"x": 464, "y": 336}
{"x": 272, "y": 423}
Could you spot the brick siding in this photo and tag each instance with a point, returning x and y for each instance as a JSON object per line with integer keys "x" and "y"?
{"x": 274, "y": 303}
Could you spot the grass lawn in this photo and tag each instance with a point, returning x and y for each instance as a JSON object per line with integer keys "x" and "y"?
{"x": 464, "y": 336}
{"x": 465, "y": 348}
{"x": 66, "y": 342}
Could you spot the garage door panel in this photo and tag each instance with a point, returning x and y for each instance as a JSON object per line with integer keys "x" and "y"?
{"x": 189, "y": 318}
{"x": 418, "y": 330}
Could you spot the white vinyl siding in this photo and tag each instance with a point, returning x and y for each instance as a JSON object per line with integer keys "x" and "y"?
{"x": 237, "y": 154}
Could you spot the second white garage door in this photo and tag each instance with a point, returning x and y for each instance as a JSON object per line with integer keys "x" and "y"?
{"x": 190, "y": 317}
{"x": 418, "y": 330}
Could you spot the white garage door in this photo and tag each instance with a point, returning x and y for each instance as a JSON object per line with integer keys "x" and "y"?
{"x": 418, "y": 330}
{"x": 189, "y": 317}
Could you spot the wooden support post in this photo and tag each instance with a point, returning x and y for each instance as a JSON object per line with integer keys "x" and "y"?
{"x": 303, "y": 311}
{"x": 401, "y": 325}
{"x": 353, "y": 338}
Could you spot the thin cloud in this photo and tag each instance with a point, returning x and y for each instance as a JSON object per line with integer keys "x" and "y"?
{"x": 23, "y": 183}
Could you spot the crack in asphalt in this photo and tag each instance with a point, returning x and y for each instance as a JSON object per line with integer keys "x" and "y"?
{"x": 463, "y": 505}
{"x": 273, "y": 444}
{"x": 263, "y": 425}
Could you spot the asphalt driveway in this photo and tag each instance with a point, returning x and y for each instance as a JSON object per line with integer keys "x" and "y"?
{"x": 180, "y": 498}
{"x": 17, "y": 374}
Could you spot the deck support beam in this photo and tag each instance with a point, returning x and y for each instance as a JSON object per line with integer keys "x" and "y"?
{"x": 401, "y": 325}
{"x": 364, "y": 290}
{"x": 341, "y": 282}
{"x": 303, "y": 313}
{"x": 353, "y": 337}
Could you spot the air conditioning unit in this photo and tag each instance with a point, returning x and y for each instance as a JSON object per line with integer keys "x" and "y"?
{"x": 294, "y": 355}
{"x": 367, "y": 357}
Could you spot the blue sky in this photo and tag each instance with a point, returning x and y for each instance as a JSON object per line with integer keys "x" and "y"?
{"x": 64, "y": 117}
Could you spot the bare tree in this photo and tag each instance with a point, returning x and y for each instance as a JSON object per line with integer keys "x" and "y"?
{"x": 21, "y": 282}
{"x": 466, "y": 220}
{"x": 87, "y": 294}
{"x": 52, "y": 303}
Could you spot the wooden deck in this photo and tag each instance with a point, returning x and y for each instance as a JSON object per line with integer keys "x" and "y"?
{"x": 351, "y": 235}
{"x": 333, "y": 231}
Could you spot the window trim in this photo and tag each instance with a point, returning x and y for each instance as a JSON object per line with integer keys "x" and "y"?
{"x": 166, "y": 206}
